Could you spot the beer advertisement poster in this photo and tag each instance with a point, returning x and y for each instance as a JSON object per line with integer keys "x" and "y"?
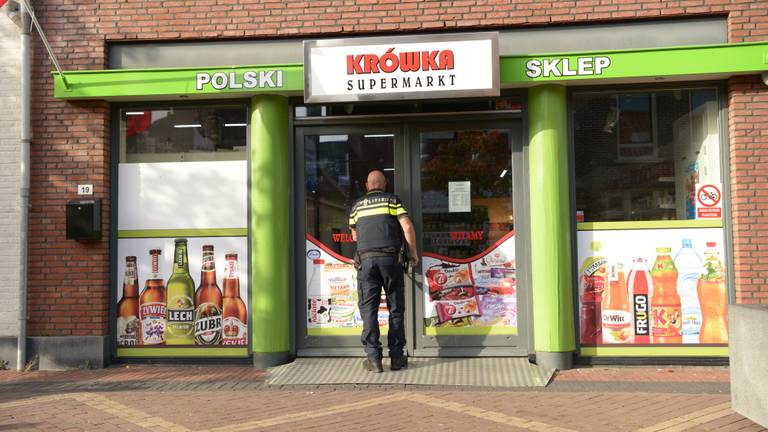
{"x": 182, "y": 292}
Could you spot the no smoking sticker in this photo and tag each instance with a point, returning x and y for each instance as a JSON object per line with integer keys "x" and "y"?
{"x": 708, "y": 201}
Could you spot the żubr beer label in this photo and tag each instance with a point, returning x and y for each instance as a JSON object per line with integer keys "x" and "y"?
{"x": 152, "y": 320}
{"x": 181, "y": 316}
{"x": 234, "y": 332}
{"x": 208, "y": 324}
{"x": 128, "y": 330}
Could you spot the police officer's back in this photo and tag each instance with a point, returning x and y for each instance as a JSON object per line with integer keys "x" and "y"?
{"x": 381, "y": 226}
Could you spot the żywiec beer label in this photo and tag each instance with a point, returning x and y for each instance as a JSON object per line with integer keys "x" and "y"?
{"x": 152, "y": 320}
{"x": 208, "y": 324}
{"x": 181, "y": 316}
{"x": 128, "y": 331}
{"x": 234, "y": 332}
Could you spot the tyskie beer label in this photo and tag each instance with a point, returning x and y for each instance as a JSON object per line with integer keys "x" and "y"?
{"x": 152, "y": 321}
{"x": 666, "y": 320}
{"x": 128, "y": 330}
{"x": 208, "y": 324}
{"x": 617, "y": 326}
{"x": 234, "y": 332}
{"x": 181, "y": 316}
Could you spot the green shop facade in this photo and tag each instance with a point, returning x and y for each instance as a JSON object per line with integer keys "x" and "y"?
{"x": 566, "y": 204}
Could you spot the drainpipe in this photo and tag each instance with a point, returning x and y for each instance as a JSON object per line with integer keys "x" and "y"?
{"x": 26, "y": 129}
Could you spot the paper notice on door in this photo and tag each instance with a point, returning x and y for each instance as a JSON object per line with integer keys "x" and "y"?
{"x": 459, "y": 200}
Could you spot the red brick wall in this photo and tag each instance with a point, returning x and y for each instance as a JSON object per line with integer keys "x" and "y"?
{"x": 748, "y": 132}
{"x": 69, "y": 281}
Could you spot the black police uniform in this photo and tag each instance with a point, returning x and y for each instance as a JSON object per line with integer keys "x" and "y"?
{"x": 379, "y": 239}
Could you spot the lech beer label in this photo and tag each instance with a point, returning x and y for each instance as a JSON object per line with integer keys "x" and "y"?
{"x": 181, "y": 316}
{"x": 152, "y": 320}
{"x": 208, "y": 324}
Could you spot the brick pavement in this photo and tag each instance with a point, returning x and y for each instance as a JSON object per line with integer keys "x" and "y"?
{"x": 235, "y": 398}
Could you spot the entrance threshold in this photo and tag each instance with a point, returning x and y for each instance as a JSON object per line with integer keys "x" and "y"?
{"x": 470, "y": 372}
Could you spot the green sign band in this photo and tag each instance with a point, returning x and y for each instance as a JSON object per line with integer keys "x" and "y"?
{"x": 132, "y": 83}
{"x": 192, "y": 232}
{"x": 692, "y": 62}
{"x": 181, "y": 352}
{"x": 639, "y": 225}
{"x": 662, "y": 351}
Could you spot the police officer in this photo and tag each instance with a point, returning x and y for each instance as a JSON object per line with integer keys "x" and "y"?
{"x": 379, "y": 224}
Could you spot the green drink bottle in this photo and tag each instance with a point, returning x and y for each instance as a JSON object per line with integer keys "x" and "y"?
{"x": 180, "y": 294}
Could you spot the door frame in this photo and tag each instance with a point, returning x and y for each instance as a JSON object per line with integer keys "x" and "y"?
{"x": 311, "y": 346}
{"x": 406, "y": 158}
{"x": 476, "y": 345}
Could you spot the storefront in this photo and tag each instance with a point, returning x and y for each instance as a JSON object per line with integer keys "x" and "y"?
{"x": 564, "y": 203}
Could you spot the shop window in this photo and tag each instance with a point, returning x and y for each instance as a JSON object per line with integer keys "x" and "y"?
{"x": 181, "y": 134}
{"x": 639, "y": 155}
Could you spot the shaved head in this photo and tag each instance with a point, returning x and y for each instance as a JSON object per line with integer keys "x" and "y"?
{"x": 376, "y": 180}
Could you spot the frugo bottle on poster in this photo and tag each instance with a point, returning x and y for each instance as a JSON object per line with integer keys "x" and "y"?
{"x": 181, "y": 307}
{"x": 128, "y": 306}
{"x": 208, "y": 302}
{"x": 640, "y": 286}
{"x": 152, "y": 305}
{"x": 666, "y": 319}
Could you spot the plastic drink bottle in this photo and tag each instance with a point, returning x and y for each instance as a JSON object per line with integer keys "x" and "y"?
{"x": 615, "y": 309}
{"x": 640, "y": 286}
{"x": 592, "y": 282}
{"x": 712, "y": 297}
{"x": 688, "y": 266}
{"x": 666, "y": 322}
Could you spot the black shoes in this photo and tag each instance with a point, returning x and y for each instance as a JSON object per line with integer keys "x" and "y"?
{"x": 398, "y": 363}
{"x": 374, "y": 366}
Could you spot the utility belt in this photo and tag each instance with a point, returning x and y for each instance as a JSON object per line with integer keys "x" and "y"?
{"x": 401, "y": 253}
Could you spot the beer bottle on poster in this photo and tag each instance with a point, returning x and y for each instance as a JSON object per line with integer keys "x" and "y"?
{"x": 128, "y": 306}
{"x": 615, "y": 308}
{"x": 181, "y": 306}
{"x": 713, "y": 298}
{"x": 640, "y": 286}
{"x": 234, "y": 311}
{"x": 666, "y": 313}
{"x": 208, "y": 302}
{"x": 152, "y": 305}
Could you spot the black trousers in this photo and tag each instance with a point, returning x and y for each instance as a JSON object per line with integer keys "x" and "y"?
{"x": 377, "y": 273}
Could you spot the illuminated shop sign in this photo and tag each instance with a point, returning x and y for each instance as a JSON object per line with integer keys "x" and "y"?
{"x": 401, "y": 68}
{"x": 566, "y": 67}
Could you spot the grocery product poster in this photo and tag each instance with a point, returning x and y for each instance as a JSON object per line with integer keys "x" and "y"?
{"x": 472, "y": 296}
{"x": 332, "y": 294}
{"x": 652, "y": 287}
{"x": 182, "y": 292}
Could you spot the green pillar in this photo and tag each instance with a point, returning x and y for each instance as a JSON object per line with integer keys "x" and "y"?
{"x": 553, "y": 323}
{"x": 270, "y": 188}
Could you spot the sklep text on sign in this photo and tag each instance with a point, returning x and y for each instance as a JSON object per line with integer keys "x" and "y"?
{"x": 406, "y": 67}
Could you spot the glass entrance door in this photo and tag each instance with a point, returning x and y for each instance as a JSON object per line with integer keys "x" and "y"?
{"x": 468, "y": 297}
{"x": 336, "y": 162}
